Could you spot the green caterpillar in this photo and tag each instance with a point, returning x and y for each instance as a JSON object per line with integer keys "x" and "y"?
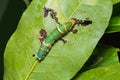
{"x": 57, "y": 33}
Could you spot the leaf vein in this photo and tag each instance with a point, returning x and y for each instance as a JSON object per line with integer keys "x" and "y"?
{"x": 75, "y": 10}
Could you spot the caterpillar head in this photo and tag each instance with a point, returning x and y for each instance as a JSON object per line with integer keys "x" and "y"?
{"x": 73, "y": 21}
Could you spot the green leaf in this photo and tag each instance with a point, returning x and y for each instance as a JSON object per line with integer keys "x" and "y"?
{"x": 64, "y": 60}
{"x": 103, "y": 55}
{"x": 115, "y": 1}
{"x": 102, "y": 73}
{"x": 116, "y": 10}
{"x": 114, "y": 25}
{"x": 27, "y": 2}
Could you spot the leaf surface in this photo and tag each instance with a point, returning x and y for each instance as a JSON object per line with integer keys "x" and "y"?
{"x": 102, "y": 73}
{"x": 64, "y": 60}
{"x": 102, "y": 55}
{"x": 115, "y": 1}
{"x": 114, "y": 25}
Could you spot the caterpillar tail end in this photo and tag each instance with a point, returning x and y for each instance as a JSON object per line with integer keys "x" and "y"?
{"x": 39, "y": 59}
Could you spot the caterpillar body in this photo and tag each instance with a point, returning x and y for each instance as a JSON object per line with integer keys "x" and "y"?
{"x": 61, "y": 30}
{"x": 57, "y": 33}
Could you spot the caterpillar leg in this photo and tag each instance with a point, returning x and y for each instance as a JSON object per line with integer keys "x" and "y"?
{"x": 53, "y": 14}
{"x": 63, "y": 40}
{"x": 43, "y": 35}
{"x": 74, "y": 31}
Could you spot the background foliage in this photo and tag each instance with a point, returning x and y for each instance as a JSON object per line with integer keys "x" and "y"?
{"x": 9, "y": 26}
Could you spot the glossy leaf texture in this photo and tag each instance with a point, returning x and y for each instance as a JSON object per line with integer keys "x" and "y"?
{"x": 102, "y": 73}
{"x": 64, "y": 60}
{"x": 114, "y": 25}
{"x": 115, "y": 1}
{"x": 103, "y": 55}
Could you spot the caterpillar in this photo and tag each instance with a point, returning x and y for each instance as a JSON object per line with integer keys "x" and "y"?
{"x": 61, "y": 30}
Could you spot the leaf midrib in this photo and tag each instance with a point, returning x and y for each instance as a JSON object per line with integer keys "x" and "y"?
{"x": 31, "y": 69}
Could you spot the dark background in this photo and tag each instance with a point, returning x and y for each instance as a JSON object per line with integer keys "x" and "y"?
{"x": 113, "y": 38}
{"x": 10, "y": 13}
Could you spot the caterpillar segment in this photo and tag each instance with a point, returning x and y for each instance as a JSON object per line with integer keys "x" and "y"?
{"x": 56, "y": 34}
{"x": 61, "y": 30}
